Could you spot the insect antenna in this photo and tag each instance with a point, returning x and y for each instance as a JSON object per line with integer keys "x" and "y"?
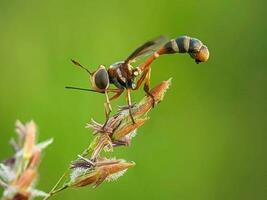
{"x": 79, "y": 65}
{"x": 84, "y": 89}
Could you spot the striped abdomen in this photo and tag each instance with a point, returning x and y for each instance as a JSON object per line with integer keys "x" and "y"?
{"x": 185, "y": 44}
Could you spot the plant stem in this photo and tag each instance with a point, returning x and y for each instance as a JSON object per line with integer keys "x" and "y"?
{"x": 56, "y": 191}
{"x": 53, "y": 190}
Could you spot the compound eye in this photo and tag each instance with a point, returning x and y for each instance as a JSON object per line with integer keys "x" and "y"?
{"x": 101, "y": 78}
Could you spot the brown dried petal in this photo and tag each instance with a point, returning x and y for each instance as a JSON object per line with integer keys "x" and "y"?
{"x": 34, "y": 161}
{"x": 100, "y": 173}
{"x": 120, "y": 125}
{"x": 104, "y": 142}
{"x": 129, "y": 127}
{"x": 25, "y": 180}
{"x": 146, "y": 103}
{"x": 29, "y": 140}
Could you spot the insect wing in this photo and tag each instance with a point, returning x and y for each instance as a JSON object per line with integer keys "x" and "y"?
{"x": 147, "y": 48}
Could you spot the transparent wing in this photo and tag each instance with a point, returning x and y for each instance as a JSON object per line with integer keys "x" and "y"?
{"x": 147, "y": 48}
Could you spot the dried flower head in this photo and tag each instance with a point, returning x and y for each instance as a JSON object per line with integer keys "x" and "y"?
{"x": 120, "y": 127}
{"x": 103, "y": 169}
{"x": 18, "y": 173}
{"x": 92, "y": 169}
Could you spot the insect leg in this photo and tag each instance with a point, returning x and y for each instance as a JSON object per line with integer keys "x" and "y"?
{"x": 119, "y": 92}
{"x": 146, "y": 77}
{"x": 145, "y": 69}
{"x": 140, "y": 80}
{"x": 128, "y": 98}
{"x": 108, "y": 108}
{"x": 113, "y": 90}
{"x": 148, "y": 62}
{"x": 147, "y": 86}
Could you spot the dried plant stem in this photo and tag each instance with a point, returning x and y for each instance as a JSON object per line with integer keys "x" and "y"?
{"x": 118, "y": 132}
{"x": 121, "y": 125}
{"x": 56, "y": 191}
{"x": 53, "y": 190}
{"x": 18, "y": 173}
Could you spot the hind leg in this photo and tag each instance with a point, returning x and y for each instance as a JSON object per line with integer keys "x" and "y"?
{"x": 147, "y": 86}
{"x": 146, "y": 77}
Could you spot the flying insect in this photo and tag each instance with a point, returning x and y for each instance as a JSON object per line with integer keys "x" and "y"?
{"x": 126, "y": 77}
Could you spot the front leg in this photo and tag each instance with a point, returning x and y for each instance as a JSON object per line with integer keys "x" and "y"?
{"x": 118, "y": 94}
{"x": 107, "y": 104}
{"x": 108, "y": 109}
{"x": 128, "y": 98}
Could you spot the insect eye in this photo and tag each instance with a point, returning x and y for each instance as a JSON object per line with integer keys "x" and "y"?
{"x": 101, "y": 78}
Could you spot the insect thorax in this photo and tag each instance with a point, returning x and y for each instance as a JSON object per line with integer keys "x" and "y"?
{"x": 120, "y": 75}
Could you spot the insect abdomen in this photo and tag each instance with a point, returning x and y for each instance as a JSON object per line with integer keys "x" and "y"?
{"x": 186, "y": 44}
{"x": 183, "y": 44}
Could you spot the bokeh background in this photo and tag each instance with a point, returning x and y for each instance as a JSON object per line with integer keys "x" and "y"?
{"x": 206, "y": 140}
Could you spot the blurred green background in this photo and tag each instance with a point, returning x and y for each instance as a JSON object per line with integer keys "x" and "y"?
{"x": 206, "y": 140}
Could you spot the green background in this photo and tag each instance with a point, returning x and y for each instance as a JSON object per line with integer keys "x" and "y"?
{"x": 206, "y": 140}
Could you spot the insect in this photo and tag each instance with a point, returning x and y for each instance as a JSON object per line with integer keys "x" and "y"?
{"x": 123, "y": 75}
